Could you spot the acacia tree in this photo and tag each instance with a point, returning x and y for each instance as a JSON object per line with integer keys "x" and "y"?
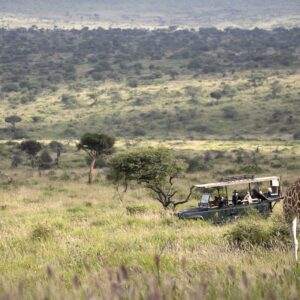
{"x": 32, "y": 148}
{"x": 13, "y": 120}
{"x": 155, "y": 169}
{"x": 95, "y": 145}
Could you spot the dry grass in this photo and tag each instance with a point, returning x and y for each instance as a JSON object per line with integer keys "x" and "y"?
{"x": 61, "y": 238}
{"x": 68, "y": 239}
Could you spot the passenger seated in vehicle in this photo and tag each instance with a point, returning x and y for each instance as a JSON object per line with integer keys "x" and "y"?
{"x": 216, "y": 201}
{"x": 235, "y": 197}
{"x": 248, "y": 197}
{"x": 221, "y": 202}
{"x": 257, "y": 194}
{"x": 269, "y": 194}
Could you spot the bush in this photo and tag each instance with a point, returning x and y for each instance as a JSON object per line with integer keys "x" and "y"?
{"x": 135, "y": 210}
{"x": 296, "y": 136}
{"x": 255, "y": 231}
{"x": 133, "y": 83}
{"x": 251, "y": 169}
{"x": 10, "y": 87}
{"x": 68, "y": 100}
{"x": 230, "y": 112}
{"x": 196, "y": 164}
{"x": 45, "y": 160}
{"x": 41, "y": 232}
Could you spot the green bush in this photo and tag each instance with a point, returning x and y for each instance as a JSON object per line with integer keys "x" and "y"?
{"x": 41, "y": 232}
{"x": 255, "y": 231}
{"x": 135, "y": 210}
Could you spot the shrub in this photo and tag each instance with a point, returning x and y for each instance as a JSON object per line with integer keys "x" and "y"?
{"x": 139, "y": 132}
{"x": 230, "y": 112}
{"x": 41, "y": 232}
{"x": 135, "y": 210}
{"x": 296, "y": 136}
{"x": 36, "y": 119}
{"x": 196, "y": 164}
{"x": 10, "y": 87}
{"x": 254, "y": 231}
{"x": 133, "y": 83}
{"x": 68, "y": 100}
{"x": 45, "y": 160}
{"x": 216, "y": 95}
{"x": 251, "y": 169}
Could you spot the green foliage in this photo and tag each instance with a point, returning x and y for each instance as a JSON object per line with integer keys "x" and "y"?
{"x": 154, "y": 168}
{"x": 145, "y": 166}
{"x": 54, "y": 145}
{"x": 45, "y": 160}
{"x": 133, "y": 83}
{"x": 41, "y": 232}
{"x": 197, "y": 164}
{"x": 296, "y": 136}
{"x": 10, "y": 87}
{"x": 254, "y": 231}
{"x": 13, "y": 120}
{"x": 96, "y": 144}
{"x": 230, "y": 112}
{"x": 68, "y": 100}
{"x": 61, "y": 65}
{"x": 135, "y": 210}
{"x": 31, "y": 147}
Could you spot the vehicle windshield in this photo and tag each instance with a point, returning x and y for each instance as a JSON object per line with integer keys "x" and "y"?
{"x": 205, "y": 198}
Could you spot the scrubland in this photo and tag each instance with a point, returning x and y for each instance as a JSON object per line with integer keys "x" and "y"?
{"x": 62, "y": 238}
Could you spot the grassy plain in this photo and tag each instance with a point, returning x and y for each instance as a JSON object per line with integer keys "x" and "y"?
{"x": 164, "y": 108}
{"x": 63, "y": 239}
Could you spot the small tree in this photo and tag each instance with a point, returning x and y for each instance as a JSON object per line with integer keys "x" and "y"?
{"x": 45, "y": 160}
{"x": 13, "y": 120}
{"x": 276, "y": 88}
{"x": 16, "y": 160}
{"x": 32, "y": 148}
{"x": 95, "y": 145}
{"x": 155, "y": 169}
{"x": 58, "y": 148}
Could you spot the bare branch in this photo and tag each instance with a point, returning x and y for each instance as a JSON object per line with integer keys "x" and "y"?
{"x": 186, "y": 199}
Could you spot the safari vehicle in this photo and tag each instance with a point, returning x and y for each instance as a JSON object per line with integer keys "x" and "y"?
{"x": 217, "y": 205}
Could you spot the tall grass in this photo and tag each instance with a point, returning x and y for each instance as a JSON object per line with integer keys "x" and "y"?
{"x": 63, "y": 239}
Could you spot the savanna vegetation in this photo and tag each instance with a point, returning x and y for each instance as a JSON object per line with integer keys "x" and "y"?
{"x": 185, "y": 107}
{"x": 194, "y": 84}
{"x": 64, "y": 238}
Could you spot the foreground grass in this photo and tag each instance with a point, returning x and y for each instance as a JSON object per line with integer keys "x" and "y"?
{"x": 61, "y": 238}
{"x": 65, "y": 239}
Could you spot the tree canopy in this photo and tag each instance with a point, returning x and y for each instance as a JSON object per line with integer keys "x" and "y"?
{"x": 32, "y": 148}
{"x": 155, "y": 169}
{"x": 13, "y": 120}
{"x": 95, "y": 145}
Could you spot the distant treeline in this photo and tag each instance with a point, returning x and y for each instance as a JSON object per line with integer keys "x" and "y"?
{"x": 34, "y": 59}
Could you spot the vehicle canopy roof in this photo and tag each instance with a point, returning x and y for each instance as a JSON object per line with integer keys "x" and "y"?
{"x": 240, "y": 180}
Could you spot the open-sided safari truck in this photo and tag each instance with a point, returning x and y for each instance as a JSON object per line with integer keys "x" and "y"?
{"x": 233, "y": 197}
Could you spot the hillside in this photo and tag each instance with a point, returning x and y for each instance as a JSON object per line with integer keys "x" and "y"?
{"x": 202, "y": 84}
{"x": 141, "y": 13}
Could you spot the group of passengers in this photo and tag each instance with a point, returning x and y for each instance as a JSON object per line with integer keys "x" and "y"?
{"x": 256, "y": 194}
{"x": 238, "y": 198}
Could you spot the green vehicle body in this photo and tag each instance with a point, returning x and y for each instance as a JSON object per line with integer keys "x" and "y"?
{"x": 229, "y": 211}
